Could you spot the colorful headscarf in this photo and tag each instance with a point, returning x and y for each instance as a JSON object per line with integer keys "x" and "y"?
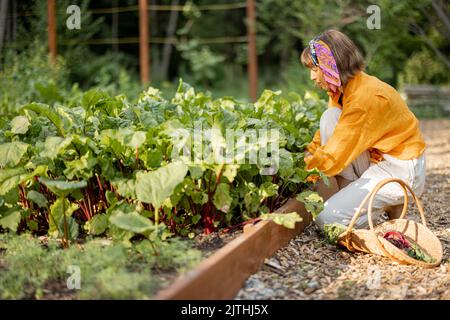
{"x": 323, "y": 58}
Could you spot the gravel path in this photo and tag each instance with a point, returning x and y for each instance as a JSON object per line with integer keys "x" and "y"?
{"x": 309, "y": 268}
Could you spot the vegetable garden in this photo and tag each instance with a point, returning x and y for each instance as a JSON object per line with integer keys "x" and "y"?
{"x": 103, "y": 168}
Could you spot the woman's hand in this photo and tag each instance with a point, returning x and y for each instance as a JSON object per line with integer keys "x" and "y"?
{"x": 313, "y": 177}
{"x": 307, "y": 156}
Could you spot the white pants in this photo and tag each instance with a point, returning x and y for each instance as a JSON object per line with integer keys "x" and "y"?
{"x": 364, "y": 175}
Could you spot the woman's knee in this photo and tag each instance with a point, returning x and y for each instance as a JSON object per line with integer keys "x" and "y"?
{"x": 320, "y": 220}
{"x": 338, "y": 210}
{"x": 329, "y": 215}
{"x": 335, "y": 216}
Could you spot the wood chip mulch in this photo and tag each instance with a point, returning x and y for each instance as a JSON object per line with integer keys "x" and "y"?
{"x": 310, "y": 268}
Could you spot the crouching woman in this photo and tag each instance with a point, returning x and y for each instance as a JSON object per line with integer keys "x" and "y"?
{"x": 367, "y": 134}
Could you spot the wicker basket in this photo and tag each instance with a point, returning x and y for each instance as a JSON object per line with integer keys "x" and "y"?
{"x": 371, "y": 240}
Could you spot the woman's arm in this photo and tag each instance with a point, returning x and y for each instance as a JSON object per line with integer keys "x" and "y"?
{"x": 346, "y": 143}
{"x": 314, "y": 144}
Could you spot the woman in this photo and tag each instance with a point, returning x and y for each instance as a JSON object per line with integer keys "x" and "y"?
{"x": 367, "y": 134}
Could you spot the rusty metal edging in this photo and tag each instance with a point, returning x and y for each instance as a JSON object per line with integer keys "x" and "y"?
{"x": 222, "y": 275}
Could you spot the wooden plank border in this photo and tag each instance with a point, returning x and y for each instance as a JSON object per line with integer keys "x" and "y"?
{"x": 222, "y": 275}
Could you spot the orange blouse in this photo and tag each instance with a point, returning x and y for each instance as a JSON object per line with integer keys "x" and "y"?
{"x": 374, "y": 117}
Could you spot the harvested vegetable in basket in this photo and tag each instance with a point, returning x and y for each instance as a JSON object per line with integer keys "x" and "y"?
{"x": 408, "y": 246}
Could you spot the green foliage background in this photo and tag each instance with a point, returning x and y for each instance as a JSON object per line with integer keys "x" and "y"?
{"x": 397, "y": 53}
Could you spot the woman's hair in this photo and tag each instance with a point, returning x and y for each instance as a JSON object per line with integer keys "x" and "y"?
{"x": 349, "y": 60}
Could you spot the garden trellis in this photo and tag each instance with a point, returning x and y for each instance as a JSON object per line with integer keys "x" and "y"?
{"x": 144, "y": 38}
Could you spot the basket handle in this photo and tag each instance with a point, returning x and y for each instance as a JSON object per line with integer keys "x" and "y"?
{"x": 371, "y": 196}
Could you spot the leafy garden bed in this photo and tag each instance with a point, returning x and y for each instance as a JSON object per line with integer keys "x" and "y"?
{"x": 39, "y": 267}
{"x": 122, "y": 187}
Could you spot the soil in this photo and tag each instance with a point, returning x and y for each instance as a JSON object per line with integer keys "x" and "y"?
{"x": 207, "y": 244}
{"x": 212, "y": 242}
{"x": 310, "y": 268}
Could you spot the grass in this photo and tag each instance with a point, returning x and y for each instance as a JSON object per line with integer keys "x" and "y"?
{"x": 31, "y": 269}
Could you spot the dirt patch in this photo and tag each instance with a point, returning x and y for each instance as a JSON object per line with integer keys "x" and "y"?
{"x": 57, "y": 290}
{"x": 212, "y": 242}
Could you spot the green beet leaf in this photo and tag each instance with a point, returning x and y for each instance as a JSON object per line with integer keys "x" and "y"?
{"x": 10, "y": 219}
{"x": 268, "y": 189}
{"x": 136, "y": 139}
{"x": 37, "y": 198}
{"x": 61, "y": 187}
{"x": 46, "y": 111}
{"x": 222, "y": 199}
{"x": 81, "y": 168}
{"x": 132, "y": 221}
{"x": 196, "y": 218}
{"x": 230, "y": 171}
{"x": 72, "y": 228}
{"x": 287, "y": 220}
{"x": 54, "y": 146}
{"x": 97, "y": 225}
{"x": 313, "y": 202}
{"x": 156, "y": 186}
{"x": 10, "y": 178}
{"x": 19, "y": 125}
{"x": 11, "y": 153}
{"x": 32, "y": 225}
{"x": 58, "y": 209}
{"x": 125, "y": 187}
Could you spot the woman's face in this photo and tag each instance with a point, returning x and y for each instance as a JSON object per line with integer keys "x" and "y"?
{"x": 317, "y": 77}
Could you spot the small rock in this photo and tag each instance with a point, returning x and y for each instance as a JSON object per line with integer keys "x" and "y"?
{"x": 311, "y": 273}
{"x": 313, "y": 284}
{"x": 273, "y": 263}
{"x": 254, "y": 284}
{"x": 309, "y": 290}
{"x": 266, "y": 293}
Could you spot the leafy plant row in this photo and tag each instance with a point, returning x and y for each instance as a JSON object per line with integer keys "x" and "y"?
{"x": 106, "y": 166}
